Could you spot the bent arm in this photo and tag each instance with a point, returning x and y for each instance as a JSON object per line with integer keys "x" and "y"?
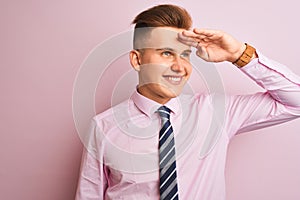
{"x": 280, "y": 103}
{"x": 280, "y": 82}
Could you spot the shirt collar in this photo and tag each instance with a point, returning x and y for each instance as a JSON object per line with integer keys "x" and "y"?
{"x": 149, "y": 107}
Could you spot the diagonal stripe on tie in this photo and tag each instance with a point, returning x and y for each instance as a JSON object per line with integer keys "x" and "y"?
{"x": 165, "y": 149}
{"x": 166, "y": 172}
{"x": 168, "y": 159}
{"x": 172, "y": 193}
{"x": 167, "y": 162}
{"x": 164, "y": 135}
{"x": 167, "y": 182}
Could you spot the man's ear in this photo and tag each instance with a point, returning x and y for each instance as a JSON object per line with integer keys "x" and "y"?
{"x": 134, "y": 57}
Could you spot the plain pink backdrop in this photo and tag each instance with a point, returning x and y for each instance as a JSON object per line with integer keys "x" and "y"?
{"x": 42, "y": 46}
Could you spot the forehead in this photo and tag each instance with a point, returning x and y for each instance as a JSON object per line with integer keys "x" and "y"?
{"x": 160, "y": 37}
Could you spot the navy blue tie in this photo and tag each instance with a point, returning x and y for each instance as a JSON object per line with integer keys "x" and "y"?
{"x": 167, "y": 162}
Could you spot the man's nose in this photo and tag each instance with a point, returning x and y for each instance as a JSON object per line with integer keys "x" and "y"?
{"x": 177, "y": 65}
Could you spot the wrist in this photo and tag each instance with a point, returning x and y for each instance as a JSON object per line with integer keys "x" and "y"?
{"x": 248, "y": 54}
{"x": 238, "y": 53}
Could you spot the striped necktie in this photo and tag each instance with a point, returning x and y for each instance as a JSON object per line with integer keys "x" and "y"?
{"x": 167, "y": 163}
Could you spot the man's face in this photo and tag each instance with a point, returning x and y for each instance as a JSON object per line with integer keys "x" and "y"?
{"x": 164, "y": 65}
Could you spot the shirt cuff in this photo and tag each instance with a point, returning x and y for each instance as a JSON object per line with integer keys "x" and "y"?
{"x": 259, "y": 65}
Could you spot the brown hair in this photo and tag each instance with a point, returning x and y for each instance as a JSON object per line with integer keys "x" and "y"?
{"x": 165, "y": 15}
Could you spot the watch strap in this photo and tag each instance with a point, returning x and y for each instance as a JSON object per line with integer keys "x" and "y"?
{"x": 245, "y": 58}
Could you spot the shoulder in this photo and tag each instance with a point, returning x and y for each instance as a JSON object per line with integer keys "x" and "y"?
{"x": 107, "y": 119}
{"x": 204, "y": 98}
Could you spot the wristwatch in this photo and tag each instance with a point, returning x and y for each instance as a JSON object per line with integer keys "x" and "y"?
{"x": 245, "y": 58}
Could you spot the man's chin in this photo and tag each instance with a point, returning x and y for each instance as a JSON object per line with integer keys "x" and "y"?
{"x": 174, "y": 93}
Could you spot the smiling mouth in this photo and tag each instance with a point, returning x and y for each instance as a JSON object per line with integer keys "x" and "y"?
{"x": 175, "y": 80}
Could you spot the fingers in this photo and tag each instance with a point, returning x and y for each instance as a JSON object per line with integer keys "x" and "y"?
{"x": 199, "y": 36}
{"x": 194, "y": 35}
{"x": 189, "y": 33}
{"x": 209, "y": 34}
{"x": 202, "y": 53}
{"x": 188, "y": 39}
{"x": 204, "y": 32}
{"x": 192, "y": 39}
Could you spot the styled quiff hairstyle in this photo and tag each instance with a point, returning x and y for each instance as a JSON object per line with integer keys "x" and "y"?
{"x": 165, "y": 15}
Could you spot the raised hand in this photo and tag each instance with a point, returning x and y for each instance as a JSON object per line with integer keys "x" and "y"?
{"x": 213, "y": 45}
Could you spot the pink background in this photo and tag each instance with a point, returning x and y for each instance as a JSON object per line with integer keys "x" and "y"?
{"x": 42, "y": 45}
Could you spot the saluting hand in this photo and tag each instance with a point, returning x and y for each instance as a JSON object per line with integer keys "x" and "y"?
{"x": 213, "y": 45}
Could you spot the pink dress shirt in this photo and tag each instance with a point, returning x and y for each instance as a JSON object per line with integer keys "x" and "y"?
{"x": 120, "y": 159}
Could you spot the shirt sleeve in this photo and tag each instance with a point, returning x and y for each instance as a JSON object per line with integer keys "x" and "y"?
{"x": 92, "y": 181}
{"x": 280, "y": 102}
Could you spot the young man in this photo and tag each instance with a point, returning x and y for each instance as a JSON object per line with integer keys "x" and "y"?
{"x": 161, "y": 144}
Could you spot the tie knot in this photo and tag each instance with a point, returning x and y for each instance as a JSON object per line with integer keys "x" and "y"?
{"x": 164, "y": 112}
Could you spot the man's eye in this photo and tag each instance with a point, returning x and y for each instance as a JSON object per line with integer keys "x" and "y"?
{"x": 166, "y": 53}
{"x": 185, "y": 55}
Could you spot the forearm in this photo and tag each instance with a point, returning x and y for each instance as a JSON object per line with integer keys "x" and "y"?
{"x": 282, "y": 84}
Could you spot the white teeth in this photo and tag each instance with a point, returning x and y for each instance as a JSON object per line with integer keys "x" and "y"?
{"x": 174, "y": 78}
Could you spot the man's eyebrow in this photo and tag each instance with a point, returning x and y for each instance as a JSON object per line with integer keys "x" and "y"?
{"x": 188, "y": 51}
{"x": 172, "y": 50}
{"x": 165, "y": 49}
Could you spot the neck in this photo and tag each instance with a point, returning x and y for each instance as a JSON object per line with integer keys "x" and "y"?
{"x": 157, "y": 98}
